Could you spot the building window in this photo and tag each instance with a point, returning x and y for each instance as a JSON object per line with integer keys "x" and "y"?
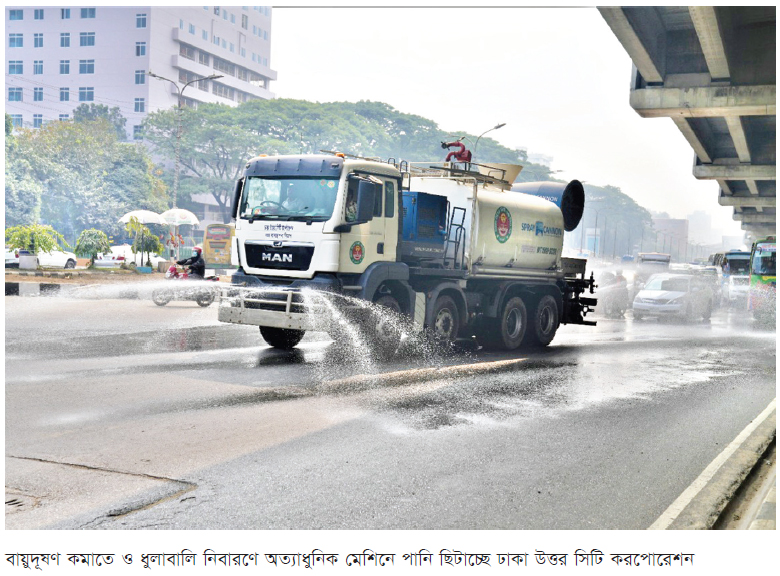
{"x": 232, "y": 18}
{"x": 64, "y": 66}
{"x": 16, "y": 41}
{"x": 139, "y": 105}
{"x": 254, "y": 29}
{"x": 192, "y": 28}
{"x": 86, "y": 66}
{"x": 86, "y": 94}
{"x": 265, "y": 61}
{"x": 64, "y": 39}
{"x": 232, "y": 47}
{"x": 187, "y": 52}
{"x": 65, "y": 13}
{"x": 224, "y": 15}
{"x": 16, "y": 120}
{"x": 87, "y": 12}
{"x": 140, "y": 20}
{"x": 64, "y": 95}
{"x": 216, "y": 10}
{"x": 16, "y": 14}
{"x": 15, "y": 95}
{"x": 265, "y": 34}
{"x": 64, "y": 117}
{"x": 140, "y": 77}
{"x": 16, "y": 67}
{"x": 215, "y": 40}
{"x": 224, "y": 43}
{"x": 243, "y": 52}
{"x": 203, "y": 58}
{"x": 205, "y": 35}
{"x": 222, "y": 90}
{"x": 38, "y": 14}
{"x": 140, "y": 48}
{"x": 38, "y": 94}
{"x": 244, "y": 21}
{"x": 138, "y": 132}
{"x": 38, "y": 40}
{"x": 37, "y": 120}
{"x": 38, "y": 67}
{"x": 87, "y": 39}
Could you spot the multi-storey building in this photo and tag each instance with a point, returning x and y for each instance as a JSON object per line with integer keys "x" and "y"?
{"x": 60, "y": 57}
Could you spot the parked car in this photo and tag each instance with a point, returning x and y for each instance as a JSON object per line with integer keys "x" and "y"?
{"x": 57, "y": 259}
{"x": 11, "y": 257}
{"x": 123, "y": 253}
{"x": 674, "y": 295}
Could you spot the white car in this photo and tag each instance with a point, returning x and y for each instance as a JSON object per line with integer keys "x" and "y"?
{"x": 682, "y": 295}
{"x": 737, "y": 290}
{"x": 124, "y": 254}
{"x": 11, "y": 257}
{"x": 56, "y": 259}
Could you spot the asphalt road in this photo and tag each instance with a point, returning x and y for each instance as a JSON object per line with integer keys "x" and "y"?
{"x": 121, "y": 414}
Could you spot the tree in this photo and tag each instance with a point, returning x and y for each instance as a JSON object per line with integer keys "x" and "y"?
{"x": 36, "y": 238}
{"x": 87, "y": 177}
{"x": 92, "y": 242}
{"x": 91, "y": 112}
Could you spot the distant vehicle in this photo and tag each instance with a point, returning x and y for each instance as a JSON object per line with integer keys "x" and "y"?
{"x": 123, "y": 254}
{"x": 762, "y": 294}
{"x": 674, "y": 295}
{"x": 731, "y": 262}
{"x": 612, "y": 294}
{"x": 647, "y": 264}
{"x": 57, "y": 259}
{"x": 218, "y": 245}
{"x": 11, "y": 257}
{"x": 737, "y": 292}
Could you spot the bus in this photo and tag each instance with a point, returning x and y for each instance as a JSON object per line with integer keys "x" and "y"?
{"x": 763, "y": 265}
{"x": 217, "y": 245}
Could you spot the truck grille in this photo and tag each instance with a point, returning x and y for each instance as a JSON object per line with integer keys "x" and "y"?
{"x": 279, "y": 258}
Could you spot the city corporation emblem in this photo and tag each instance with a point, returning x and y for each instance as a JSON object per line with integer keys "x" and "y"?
{"x": 356, "y": 252}
{"x": 503, "y": 224}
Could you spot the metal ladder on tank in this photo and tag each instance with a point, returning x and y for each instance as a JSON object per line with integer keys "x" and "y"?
{"x": 457, "y": 242}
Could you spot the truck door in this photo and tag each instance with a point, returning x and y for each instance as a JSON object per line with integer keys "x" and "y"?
{"x": 373, "y": 241}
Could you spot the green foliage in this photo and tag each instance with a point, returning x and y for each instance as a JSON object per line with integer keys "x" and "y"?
{"x": 91, "y": 242}
{"x": 217, "y": 140}
{"x": 36, "y": 237}
{"x": 91, "y": 112}
{"x": 76, "y": 176}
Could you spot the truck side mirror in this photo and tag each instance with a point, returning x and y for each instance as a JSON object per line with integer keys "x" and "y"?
{"x": 366, "y": 198}
{"x": 237, "y": 196}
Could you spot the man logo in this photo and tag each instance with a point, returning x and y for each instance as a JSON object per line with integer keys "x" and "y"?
{"x": 277, "y": 257}
{"x": 539, "y": 228}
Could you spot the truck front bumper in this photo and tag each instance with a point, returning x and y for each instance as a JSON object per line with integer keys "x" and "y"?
{"x": 276, "y": 308}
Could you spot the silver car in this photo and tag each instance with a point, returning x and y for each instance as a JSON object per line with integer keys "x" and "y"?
{"x": 674, "y": 295}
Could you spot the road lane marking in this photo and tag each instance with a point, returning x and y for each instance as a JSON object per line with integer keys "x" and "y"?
{"x": 690, "y": 493}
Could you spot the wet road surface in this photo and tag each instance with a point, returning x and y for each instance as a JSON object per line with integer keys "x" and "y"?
{"x": 120, "y": 414}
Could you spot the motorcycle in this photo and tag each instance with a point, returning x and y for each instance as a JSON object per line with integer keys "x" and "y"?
{"x": 613, "y": 296}
{"x": 187, "y": 289}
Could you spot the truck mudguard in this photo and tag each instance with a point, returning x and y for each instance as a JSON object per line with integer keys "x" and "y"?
{"x": 379, "y": 272}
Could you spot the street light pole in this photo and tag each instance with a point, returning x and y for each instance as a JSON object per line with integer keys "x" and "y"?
{"x": 496, "y": 127}
{"x": 180, "y": 90}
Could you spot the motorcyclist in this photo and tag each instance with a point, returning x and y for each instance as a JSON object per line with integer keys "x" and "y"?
{"x": 196, "y": 263}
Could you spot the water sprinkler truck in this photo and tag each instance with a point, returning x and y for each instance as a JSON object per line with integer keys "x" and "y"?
{"x": 454, "y": 247}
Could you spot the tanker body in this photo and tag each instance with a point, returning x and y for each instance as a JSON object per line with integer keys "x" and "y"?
{"x": 454, "y": 249}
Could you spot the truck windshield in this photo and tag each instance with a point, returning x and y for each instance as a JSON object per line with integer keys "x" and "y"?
{"x": 764, "y": 262}
{"x": 288, "y": 198}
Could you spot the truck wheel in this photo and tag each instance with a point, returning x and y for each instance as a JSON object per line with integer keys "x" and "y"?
{"x": 384, "y": 328}
{"x": 205, "y": 298}
{"x": 161, "y": 296}
{"x": 509, "y": 333}
{"x": 544, "y": 322}
{"x": 283, "y": 338}
{"x": 446, "y": 321}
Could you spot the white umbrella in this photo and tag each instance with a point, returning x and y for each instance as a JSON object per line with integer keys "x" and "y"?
{"x": 179, "y": 217}
{"x": 144, "y": 217}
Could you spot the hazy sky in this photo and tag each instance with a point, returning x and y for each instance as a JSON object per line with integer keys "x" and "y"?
{"x": 557, "y": 77}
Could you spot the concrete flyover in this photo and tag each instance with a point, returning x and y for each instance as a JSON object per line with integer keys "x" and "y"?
{"x": 712, "y": 71}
